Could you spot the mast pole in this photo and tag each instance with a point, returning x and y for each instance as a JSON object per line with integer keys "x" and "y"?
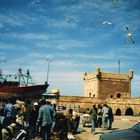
{"x": 48, "y": 68}
{"x": 119, "y": 66}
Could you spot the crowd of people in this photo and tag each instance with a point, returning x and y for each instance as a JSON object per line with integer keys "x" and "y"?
{"x": 44, "y": 120}
{"x": 40, "y": 117}
{"x": 101, "y": 116}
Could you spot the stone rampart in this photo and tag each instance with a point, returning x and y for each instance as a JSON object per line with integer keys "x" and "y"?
{"x": 119, "y": 106}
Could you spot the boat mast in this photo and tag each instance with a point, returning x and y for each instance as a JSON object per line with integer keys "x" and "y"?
{"x": 48, "y": 68}
{"x": 20, "y": 75}
{"x": 28, "y": 74}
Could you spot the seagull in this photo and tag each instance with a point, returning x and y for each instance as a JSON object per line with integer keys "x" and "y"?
{"x": 68, "y": 20}
{"x": 115, "y": 1}
{"x": 106, "y": 22}
{"x": 129, "y": 35}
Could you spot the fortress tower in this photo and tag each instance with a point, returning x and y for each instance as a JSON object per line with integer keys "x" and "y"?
{"x": 104, "y": 85}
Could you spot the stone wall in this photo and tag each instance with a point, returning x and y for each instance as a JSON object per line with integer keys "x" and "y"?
{"x": 125, "y": 105}
{"x": 119, "y": 106}
{"x": 102, "y": 87}
{"x": 111, "y": 88}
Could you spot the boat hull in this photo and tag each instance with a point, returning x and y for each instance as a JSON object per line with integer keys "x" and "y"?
{"x": 34, "y": 91}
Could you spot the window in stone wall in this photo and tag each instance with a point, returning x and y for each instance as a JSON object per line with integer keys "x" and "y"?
{"x": 90, "y": 94}
{"x": 118, "y": 95}
{"x": 111, "y": 96}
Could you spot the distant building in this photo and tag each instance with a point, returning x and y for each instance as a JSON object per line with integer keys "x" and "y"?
{"x": 105, "y": 85}
{"x": 52, "y": 96}
{"x": 105, "y": 88}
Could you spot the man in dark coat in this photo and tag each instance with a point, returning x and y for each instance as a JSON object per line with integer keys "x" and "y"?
{"x": 93, "y": 114}
{"x": 110, "y": 118}
{"x": 33, "y": 119}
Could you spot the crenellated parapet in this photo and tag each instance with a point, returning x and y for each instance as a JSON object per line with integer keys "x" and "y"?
{"x": 96, "y": 74}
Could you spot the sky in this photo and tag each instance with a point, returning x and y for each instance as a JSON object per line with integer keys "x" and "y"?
{"x": 75, "y": 35}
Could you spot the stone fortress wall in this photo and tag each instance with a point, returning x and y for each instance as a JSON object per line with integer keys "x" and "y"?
{"x": 129, "y": 106}
{"x": 110, "y": 88}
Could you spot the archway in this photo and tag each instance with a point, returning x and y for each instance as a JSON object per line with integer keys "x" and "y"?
{"x": 129, "y": 111}
{"x": 118, "y": 112}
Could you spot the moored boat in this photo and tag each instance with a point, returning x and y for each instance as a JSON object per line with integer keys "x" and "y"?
{"x": 20, "y": 85}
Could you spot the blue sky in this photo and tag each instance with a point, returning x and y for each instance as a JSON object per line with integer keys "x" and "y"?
{"x": 71, "y": 33}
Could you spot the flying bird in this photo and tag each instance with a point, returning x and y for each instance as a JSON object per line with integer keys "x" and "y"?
{"x": 115, "y": 1}
{"x": 69, "y": 20}
{"x": 106, "y": 22}
{"x": 129, "y": 35}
